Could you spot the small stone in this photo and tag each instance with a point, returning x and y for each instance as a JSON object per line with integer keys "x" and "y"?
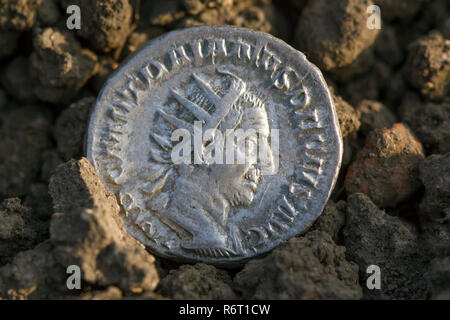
{"x": 200, "y": 281}
{"x": 386, "y": 169}
{"x": 333, "y": 34}
{"x": 310, "y": 267}
{"x": 71, "y": 126}
{"x": 428, "y": 65}
{"x": 374, "y": 115}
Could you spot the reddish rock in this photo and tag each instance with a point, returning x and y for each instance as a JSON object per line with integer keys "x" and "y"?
{"x": 386, "y": 169}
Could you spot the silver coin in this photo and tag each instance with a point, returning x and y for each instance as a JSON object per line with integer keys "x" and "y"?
{"x": 223, "y": 79}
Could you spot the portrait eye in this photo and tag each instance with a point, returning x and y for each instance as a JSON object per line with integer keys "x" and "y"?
{"x": 250, "y": 145}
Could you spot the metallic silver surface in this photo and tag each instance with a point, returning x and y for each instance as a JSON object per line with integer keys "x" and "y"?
{"x": 226, "y": 78}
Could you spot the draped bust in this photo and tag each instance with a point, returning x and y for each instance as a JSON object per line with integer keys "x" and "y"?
{"x": 201, "y": 195}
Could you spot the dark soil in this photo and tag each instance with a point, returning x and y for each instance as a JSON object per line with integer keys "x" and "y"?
{"x": 390, "y": 207}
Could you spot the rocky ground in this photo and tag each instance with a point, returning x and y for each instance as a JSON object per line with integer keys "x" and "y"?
{"x": 391, "y": 206}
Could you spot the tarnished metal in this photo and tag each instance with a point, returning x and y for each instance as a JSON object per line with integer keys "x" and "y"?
{"x": 220, "y": 79}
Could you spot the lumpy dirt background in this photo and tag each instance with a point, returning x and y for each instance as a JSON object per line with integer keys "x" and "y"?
{"x": 390, "y": 207}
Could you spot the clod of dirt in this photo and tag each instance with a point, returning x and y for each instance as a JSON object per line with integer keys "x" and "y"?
{"x": 331, "y": 220}
{"x": 194, "y": 7}
{"x": 334, "y": 33}
{"x": 18, "y": 14}
{"x": 39, "y": 201}
{"x": 387, "y": 46}
{"x": 369, "y": 85}
{"x": 140, "y": 37}
{"x": 50, "y": 160}
{"x": 310, "y": 267}
{"x": 362, "y": 65}
{"x": 19, "y": 230}
{"x": 372, "y": 237}
{"x": 386, "y": 169}
{"x": 438, "y": 277}
{"x": 401, "y": 9}
{"x": 347, "y": 116}
{"x": 106, "y": 24}
{"x": 130, "y": 268}
{"x": 70, "y": 128}
{"x": 374, "y": 115}
{"x": 3, "y": 100}
{"x": 199, "y": 281}
{"x": 445, "y": 28}
{"x": 48, "y": 12}
{"x": 110, "y": 293}
{"x": 428, "y": 65}
{"x": 253, "y": 14}
{"x": 60, "y": 65}
{"x": 435, "y": 175}
{"x": 25, "y": 135}
{"x": 106, "y": 65}
{"x": 34, "y": 274}
{"x": 8, "y": 43}
{"x": 86, "y": 231}
{"x": 429, "y": 121}
{"x": 165, "y": 13}
{"x": 17, "y": 80}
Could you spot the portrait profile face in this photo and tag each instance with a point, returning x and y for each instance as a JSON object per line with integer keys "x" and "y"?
{"x": 239, "y": 182}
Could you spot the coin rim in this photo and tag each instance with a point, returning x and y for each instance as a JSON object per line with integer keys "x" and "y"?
{"x": 142, "y": 53}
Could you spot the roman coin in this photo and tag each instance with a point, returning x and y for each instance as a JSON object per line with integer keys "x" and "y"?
{"x": 219, "y": 142}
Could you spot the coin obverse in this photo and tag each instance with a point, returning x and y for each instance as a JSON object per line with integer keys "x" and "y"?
{"x": 165, "y": 99}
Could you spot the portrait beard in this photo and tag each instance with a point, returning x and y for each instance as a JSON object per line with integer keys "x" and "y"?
{"x": 242, "y": 192}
